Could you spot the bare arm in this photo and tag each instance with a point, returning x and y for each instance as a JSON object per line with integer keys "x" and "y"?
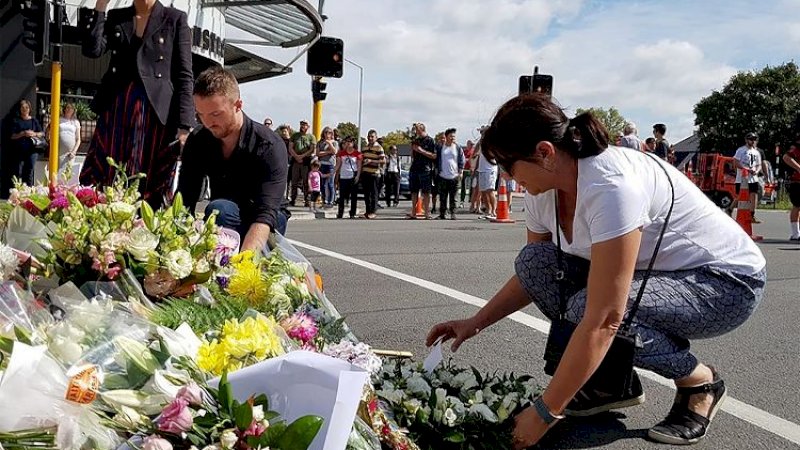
{"x": 77, "y": 140}
{"x": 610, "y": 275}
{"x": 791, "y": 162}
{"x": 256, "y": 238}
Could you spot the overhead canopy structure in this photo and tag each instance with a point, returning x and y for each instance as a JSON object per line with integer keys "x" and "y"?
{"x": 278, "y": 23}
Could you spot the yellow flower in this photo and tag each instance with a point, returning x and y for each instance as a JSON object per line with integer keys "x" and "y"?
{"x": 241, "y": 344}
{"x": 248, "y": 282}
{"x": 213, "y": 357}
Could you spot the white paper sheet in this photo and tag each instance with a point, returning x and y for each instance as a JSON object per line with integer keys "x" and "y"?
{"x": 302, "y": 383}
{"x": 434, "y": 358}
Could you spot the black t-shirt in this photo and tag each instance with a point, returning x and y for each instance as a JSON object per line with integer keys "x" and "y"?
{"x": 421, "y": 163}
{"x": 662, "y": 148}
{"x": 254, "y": 177}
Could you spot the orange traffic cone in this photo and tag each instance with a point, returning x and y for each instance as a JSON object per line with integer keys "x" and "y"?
{"x": 502, "y": 205}
{"x": 419, "y": 211}
{"x": 744, "y": 216}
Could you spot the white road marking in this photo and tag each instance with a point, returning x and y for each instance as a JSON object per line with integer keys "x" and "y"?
{"x": 758, "y": 417}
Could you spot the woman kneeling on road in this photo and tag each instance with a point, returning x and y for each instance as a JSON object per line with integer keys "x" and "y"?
{"x": 612, "y": 204}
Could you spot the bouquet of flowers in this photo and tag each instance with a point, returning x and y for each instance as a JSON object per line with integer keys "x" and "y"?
{"x": 454, "y": 408}
{"x": 201, "y": 417}
{"x": 240, "y": 343}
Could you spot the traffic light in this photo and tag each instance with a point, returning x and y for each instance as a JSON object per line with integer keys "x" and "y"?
{"x": 36, "y": 28}
{"x": 326, "y": 58}
{"x": 318, "y": 90}
{"x": 536, "y": 83}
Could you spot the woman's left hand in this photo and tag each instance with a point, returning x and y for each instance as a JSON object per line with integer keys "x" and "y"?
{"x": 529, "y": 428}
{"x": 182, "y": 135}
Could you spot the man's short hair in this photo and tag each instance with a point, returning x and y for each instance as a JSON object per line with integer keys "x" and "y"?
{"x": 372, "y": 132}
{"x": 660, "y": 127}
{"x": 449, "y": 131}
{"x": 420, "y": 126}
{"x": 216, "y": 81}
{"x": 650, "y": 140}
{"x": 629, "y": 128}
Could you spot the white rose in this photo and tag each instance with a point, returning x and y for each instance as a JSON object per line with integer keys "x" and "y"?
{"x": 450, "y": 417}
{"x": 228, "y": 439}
{"x": 68, "y": 352}
{"x": 141, "y": 243}
{"x": 122, "y": 210}
{"x": 201, "y": 266}
{"x": 258, "y": 413}
{"x": 179, "y": 263}
{"x": 484, "y": 411}
{"x": 116, "y": 241}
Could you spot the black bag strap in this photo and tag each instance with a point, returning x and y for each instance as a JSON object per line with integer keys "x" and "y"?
{"x": 560, "y": 274}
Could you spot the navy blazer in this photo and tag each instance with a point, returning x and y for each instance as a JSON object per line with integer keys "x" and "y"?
{"x": 164, "y": 60}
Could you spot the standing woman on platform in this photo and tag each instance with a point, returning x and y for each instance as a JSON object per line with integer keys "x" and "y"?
{"x": 145, "y": 99}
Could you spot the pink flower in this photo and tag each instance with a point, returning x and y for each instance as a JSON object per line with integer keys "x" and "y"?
{"x": 112, "y": 272}
{"x": 31, "y": 208}
{"x": 156, "y": 443}
{"x": 192, "y": 393}
{"x": 176, "y": 418}
{"x": 256, "y": 429}
{"x": 96, "y": 264}
{"x": 300, "y": 326}
{"x": 60, "y": 202}
{"x": 88, "y": 197}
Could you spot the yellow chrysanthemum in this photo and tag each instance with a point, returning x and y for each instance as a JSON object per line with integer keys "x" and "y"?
{"x": 241, "y": 344}
{"x": 213, "y": 357}
{"x": 248, "y": 282}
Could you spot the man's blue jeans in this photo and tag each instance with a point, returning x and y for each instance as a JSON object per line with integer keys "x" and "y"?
{"x": 228, "y": 216}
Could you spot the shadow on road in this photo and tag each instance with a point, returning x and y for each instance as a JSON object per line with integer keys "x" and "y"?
{"x": 590, "y": 432}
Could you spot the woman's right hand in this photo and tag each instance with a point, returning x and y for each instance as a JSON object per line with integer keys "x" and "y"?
{"x": 101, "y": 5}
{"x": 458, "y": 330}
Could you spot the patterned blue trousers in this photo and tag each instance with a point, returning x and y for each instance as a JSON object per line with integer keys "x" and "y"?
{"x": 676, "y": 306}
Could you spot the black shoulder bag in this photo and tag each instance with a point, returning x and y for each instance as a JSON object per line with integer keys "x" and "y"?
{"x": 615, "y": 373}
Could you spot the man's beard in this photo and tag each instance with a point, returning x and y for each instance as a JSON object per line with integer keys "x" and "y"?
{"x": 222, "y": 133}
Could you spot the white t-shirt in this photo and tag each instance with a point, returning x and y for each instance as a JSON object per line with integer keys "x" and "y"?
{"x": 621, "y": 190}
{"x": 349, "y": 162}
{"x": 751, "y": 158}
{"x": 484, "y": 165}
{"x": 67, "y": 133}
{"x": 449, "y": 162}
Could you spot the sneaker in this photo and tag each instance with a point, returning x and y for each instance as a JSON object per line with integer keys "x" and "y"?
{"x": 754, "y": 220}
{"x": 794, "y": 238}
{"x": 452, "y": 216}
{"x": 588, "y": 402}
{"x": 441, "y": 217}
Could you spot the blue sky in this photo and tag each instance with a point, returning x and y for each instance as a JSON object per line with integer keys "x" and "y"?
{"x": 453, "y": 62}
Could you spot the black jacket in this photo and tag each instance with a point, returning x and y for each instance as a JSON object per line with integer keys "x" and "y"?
{"x": 164, "y": 60}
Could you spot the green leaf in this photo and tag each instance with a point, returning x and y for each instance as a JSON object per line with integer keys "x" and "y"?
{"x": 263, "y": 401}
{"x": 244, "y": 416}
{"x": 300, "y": 433}
{"x": 136, "y": 376}
{"x": 274, "y": 432}
{"x": 40, "y": 201}
{"x": 148, "y": 216}
{"x": 177, "y": 205}
{"x": 226, "y": 395}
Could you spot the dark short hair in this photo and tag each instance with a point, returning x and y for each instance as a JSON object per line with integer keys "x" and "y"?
{"x": 449, "y": 131}
{"x": 524, "y": 121}
{"x": 216, "y": 81}
{"x": 649, "y": 140}
{"x": 660, "y": 127}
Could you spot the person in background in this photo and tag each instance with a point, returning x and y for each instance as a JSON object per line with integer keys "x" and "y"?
{"x": 369, "y": 173}
{"x": 314, "y": 178}
{"x": 244, "y": 161}
{"x": 423, "y": 161}
{"x": 466, "y": 178}
{"x": 792, "y": 160}
{"x": 629, "y": 138}
{"x": 348, "y": 166}
{"x": 304, "y": 145}
{"x": 450, "y": 165}
{"x": 662, "y": 144}
{"x": 25, "y": 130}
{"x": 748, "y": 163}
{"x": 268, "y": 123}
{"x": 392, "y": 177}
{"x": 327, "y": 148}
{"x": 435, "y": 176}
{"x": 285, "y": 132}
{"x": 487, "y": 184}
{"x": 650, "y": 145}
{"x": 69, "y": 138}
{"x": 145, "y": 98}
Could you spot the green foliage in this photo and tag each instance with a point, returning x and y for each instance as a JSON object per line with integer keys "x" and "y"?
{"x": 173, "y": 312}
{"x": 765, "y": 102}
{"x": 347, "y": 129}
{"x": 397, "y": 137}
{"x": 610, "y": 118}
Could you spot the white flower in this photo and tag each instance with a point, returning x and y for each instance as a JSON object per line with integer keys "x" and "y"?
{"x": 258, "y": 413}
{"x": 116, "y": 241}
{"x": 201, "y": 266}
{"x": 128, "y": 417}
{"x": 228, "y": 439}
{"x": 484, "y": 411}
{"x": 265, "y": 424}
{"x": 8, "y": 261}
{"x": 478, "y": 398}
{"x": 418, "y": 386}
{"x": 450, "y": 417}
{"x": 441, "y": 398}
{"x": 211, "y": 447}
{"x": 179, "y": 263}
{"x": 141, "y": 243}
{"x": 122, "y": 210}
{"x": 298, "y": 270}
{"x": 392, "y": 395}
{"x": 412, "y": 406}
{"x": 68, "y": 352}
{"x": 92, "y": 314}
{"x": 465, "y": 380}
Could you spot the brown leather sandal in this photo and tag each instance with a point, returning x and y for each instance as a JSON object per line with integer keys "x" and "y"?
{"x": 683, "y": 426}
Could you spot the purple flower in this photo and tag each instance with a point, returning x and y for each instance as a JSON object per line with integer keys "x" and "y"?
{"x": 59, "y": 202}
{"x": 223, "y": 282}
{"x": 224, "y": 260}
{"x": 176, "y": 417}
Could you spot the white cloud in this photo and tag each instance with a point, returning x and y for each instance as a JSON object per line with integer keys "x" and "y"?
{"x": 452, "y": 63}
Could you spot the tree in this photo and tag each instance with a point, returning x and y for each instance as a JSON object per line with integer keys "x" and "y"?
{"x": 611, "y": 119}
{"x": 765, "y": 102}
{"x": 397, "y": 137}
{"x": 348, "y": 129}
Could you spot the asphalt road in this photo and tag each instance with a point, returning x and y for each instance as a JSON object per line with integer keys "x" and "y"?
{"x": 759, "y": 361}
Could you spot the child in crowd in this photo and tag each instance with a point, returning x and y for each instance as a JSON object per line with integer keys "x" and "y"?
{"x": 314, "y": 185}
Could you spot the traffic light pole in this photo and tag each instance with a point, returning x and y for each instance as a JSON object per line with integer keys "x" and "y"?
{"x": 317, "y": 87}
{"x": 55, "y": 92}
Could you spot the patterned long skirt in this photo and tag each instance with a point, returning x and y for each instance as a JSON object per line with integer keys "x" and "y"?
{"x": 131, "y": 134}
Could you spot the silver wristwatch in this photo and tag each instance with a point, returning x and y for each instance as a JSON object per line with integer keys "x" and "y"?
{"x": 544, "y": 411}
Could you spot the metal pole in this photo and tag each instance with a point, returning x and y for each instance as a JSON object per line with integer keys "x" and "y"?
{"x": 55, "y": 93}
{"x": 360, "y": 98}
